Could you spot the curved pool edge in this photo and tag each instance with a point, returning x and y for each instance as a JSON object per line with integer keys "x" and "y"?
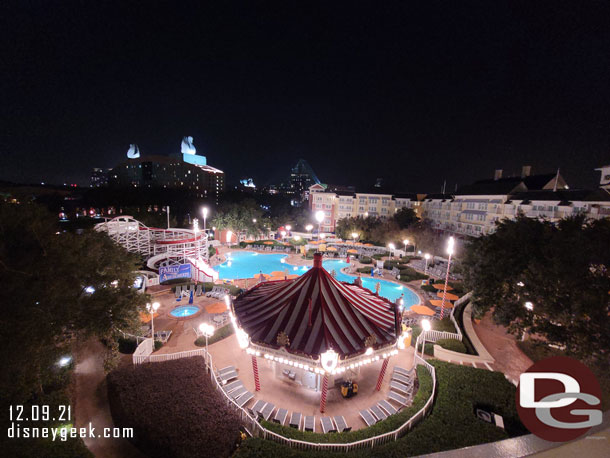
{"x": 404, "y": 285}
{"x": 184, "y": 318}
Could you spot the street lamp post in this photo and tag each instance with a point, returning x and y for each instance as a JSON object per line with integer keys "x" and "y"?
{"x": 354, "y": 236}
{"x": 319, "y": 218}
{"x": 308, "y": 228}
{"x": 406, "y": 242}
{"x": 427, "y": 258}
{"x": 204, "y": 211}
{"x": 152, "y": 308}
{"x": 391, "y": 247}
{"x": 208, "y": 331}
{"x": 426, "y": 327}
{"x": 450, "y": 246}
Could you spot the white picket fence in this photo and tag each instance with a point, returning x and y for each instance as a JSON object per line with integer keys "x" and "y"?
{"x": 253, "y": 426}
{"x": 150, "y": 358}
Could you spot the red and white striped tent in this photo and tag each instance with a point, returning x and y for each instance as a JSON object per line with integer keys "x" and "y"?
{"x": 317, "y": 313}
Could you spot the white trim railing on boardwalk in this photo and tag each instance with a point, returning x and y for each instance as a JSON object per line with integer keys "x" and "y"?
{"x": 256, "y": 429}
{"x": 139, "y": 359}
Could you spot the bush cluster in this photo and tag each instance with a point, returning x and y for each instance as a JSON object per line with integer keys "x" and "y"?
{"x": 366, "y": 260}
{"x": 219, "y": 334}
{"x": 453, "y": 345}
{"x": 127, "y": 345}
{"x": 174, "y": 409}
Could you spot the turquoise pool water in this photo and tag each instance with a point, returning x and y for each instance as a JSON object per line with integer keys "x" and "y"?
{"x": 244, "y": 264}
{"x": 184, "y": 310}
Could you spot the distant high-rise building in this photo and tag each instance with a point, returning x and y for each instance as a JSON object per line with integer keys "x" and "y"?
{"x": 302, "y": 177}
{"x": 99, "y": 178}
{"x": 185, "y": 170}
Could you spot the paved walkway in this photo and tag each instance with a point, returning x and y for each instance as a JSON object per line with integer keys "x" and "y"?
{"x": 91, "y": 403}
{"x": 503, "y": 347}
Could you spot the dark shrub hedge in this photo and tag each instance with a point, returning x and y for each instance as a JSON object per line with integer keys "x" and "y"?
{"x": 174, "y": 409}
{"x": 409, "y": 274}
{"x": 366, "y": 260}
{"x": 219, "y": 334}
{"x": 452, "y": 344}
{"x": 127, "y": 345}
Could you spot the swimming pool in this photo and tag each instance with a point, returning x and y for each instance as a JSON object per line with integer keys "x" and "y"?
{"x": 244, "y": 264}
{"x": 184, "y": 311}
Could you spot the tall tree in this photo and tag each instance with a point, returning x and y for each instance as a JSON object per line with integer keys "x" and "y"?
{"x": 561, "y": 269}
{"x": 56, "y": 287}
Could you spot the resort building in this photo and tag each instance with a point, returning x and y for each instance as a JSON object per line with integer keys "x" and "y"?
{"x": 474, "y": 209}
{"x": 337, "y": 205}
{"x": 185, "y": 170}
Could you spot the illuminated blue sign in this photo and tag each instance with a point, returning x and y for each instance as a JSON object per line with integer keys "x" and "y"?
{"x": 167, "y": 273}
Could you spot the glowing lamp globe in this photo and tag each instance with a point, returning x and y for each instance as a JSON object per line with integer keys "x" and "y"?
{"x": 329, "y": 360}
{"x": 319, "y": 216}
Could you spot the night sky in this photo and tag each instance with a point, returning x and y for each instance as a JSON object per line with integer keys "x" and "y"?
{"x": 414, "y": 92}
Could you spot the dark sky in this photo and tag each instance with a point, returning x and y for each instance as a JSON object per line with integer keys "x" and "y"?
{"x": 414, "y": 92}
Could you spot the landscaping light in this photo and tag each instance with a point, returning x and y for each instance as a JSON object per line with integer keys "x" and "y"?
{"x": 283, "y": 234}
{"x": 64, "y": 361}
{"x": 425, "y": 325}
{"x": 309, "y": 227}
{"x": 391, "y": 246}
{"x": 427, "y": 256}
{"x": 206, "y": 329}
{"x": 297, "y": 237}
{"x": 288, "y": 227}
{"x": 254, "y": 220}
{"x": 354, "y": 235}
{"x": 529, "y": 306}
{"x": 90, "y": 290}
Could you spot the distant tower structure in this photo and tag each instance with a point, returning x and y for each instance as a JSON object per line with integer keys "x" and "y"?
{"x": 133, "y": 152}
{"x": 302, "y": 177}
{"x": 604, "y": 181}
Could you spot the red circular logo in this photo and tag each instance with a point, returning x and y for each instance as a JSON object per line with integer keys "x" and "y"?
{"x": 559, "y": 399}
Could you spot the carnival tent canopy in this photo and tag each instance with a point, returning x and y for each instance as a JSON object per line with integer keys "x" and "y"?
{"x": 316, "y": 312}
{"x": 448, "y": 296}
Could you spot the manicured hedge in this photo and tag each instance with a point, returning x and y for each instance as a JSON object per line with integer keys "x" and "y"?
{"x": 364, "y": 270}
{"x": 409, "y": 274}
{"x": 127, "y": 345}
{"x": 366, "y": 260}
{"x": 452, "y": 423}
{"x": 390, "y": 424}
{"x": 452, "y": 344}
{"x": 174, "y": 409}
{"x": 380, "y": 256}
{"x": 219, "y": 334}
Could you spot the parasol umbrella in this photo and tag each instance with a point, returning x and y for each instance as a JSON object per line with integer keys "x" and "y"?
{"x": 277, "y": 273}
{"x": 331, "y": 248}
{"x": 439, "y": 303}
{"x": 422, "y": 310}
{"x": 448, "y": 296}
{"x": 145, "y": 316}
{"x": 442, "y": 287}
{"x": 352, "y": 251}
{"x": 268, "y": 242}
